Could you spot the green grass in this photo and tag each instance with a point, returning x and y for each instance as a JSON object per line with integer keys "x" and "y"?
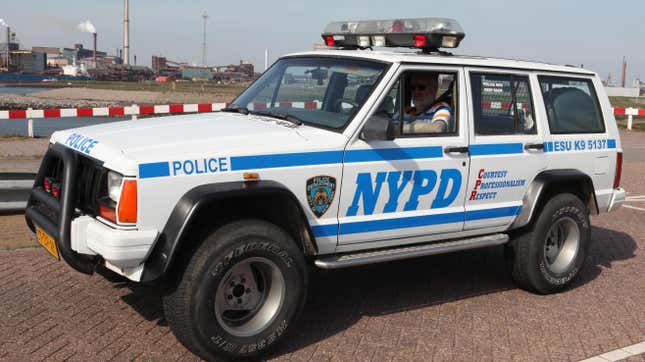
{"x": 626, "y": 102}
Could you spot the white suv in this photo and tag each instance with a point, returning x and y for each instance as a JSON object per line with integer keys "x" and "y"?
{"x": 317, "y": 164}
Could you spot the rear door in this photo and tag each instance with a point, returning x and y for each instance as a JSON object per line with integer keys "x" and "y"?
{"x": 579, "y": 137}
{"x": 506, "y": 147}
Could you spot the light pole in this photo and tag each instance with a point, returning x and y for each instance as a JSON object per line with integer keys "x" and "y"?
{"x": 205, "y": 17}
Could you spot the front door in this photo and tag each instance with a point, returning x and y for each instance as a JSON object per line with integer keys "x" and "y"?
{"x": 400, "y": 191}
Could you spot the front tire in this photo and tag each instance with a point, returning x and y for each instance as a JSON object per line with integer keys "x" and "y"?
{"x": 547, "y": 256}
{"x": 242, "y": 289}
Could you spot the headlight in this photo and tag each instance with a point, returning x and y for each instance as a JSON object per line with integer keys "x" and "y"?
{"x": 114, "y": 181}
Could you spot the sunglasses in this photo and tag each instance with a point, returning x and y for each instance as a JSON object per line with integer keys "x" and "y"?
{"x": 420, "y": 87}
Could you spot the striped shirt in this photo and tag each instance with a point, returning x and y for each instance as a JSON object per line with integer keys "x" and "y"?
{"x": 439, "y": 112}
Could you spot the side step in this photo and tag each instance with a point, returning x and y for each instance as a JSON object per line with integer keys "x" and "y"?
{"x": 406, "y": 252}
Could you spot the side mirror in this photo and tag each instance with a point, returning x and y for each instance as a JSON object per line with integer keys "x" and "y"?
{"x": 378, "y": 128}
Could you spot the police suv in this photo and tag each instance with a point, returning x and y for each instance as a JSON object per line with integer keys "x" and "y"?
{"x": 326, "y": 161}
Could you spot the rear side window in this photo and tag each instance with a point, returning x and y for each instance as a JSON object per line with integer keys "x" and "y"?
{"x": 502, "y": 104}
{"x": 571, "y": 105}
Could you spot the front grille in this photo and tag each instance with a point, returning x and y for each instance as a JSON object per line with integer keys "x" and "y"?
{"x": 90, "y": 185}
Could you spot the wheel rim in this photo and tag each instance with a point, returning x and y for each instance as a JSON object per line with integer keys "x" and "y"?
{"x": 249, "y": 296}
{"x": 561, "y": 245}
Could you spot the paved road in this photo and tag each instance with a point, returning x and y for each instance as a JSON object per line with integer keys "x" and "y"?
{"x": 449, "y": 307}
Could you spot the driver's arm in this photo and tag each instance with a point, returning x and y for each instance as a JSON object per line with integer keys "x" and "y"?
{"x": 425, "y": 127}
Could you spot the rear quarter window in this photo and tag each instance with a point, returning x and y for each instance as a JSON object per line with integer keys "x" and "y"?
{"x": 571, "y": 105}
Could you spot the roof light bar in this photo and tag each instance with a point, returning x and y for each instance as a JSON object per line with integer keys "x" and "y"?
{"x": 428, "y": 34}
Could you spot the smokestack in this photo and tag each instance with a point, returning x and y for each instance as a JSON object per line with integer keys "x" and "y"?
{"x": 126, "y": 33}
{"x": 94, "y": 37}
{"x": 623, "y": 76}
{"x": 266, "y": 59}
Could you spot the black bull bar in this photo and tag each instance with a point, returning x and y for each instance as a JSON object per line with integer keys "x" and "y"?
{"x": 59, "y": 222}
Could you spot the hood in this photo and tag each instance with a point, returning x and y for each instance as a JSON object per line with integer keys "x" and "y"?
{"x": 124, "y": 145}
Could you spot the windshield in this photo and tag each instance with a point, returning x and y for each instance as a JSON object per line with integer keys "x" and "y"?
{"x": 325, "y": 92}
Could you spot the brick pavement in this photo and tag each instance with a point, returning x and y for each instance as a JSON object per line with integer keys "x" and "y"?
{"x": 449, "y": 307}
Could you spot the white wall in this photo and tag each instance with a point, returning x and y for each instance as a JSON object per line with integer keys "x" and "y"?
{"x": 622, "y": 92}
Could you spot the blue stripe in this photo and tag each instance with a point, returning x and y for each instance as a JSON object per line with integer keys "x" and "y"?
{"x": 400, "y": 223}
{"x": 413, "y": 221}
{"x": 325, "y": 230}
{"x": 390, "y": 154}
{"x": 240, "y": 163}
{"x": 492, "y": 213}
{"x": 548, "y": 146}
{"x": 611, "y": 143}
{"x": 496, "y": 149}
{"x": 156, "y": 169}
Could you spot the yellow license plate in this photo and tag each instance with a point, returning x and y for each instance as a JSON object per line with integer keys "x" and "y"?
{"x": 47, "y": 242}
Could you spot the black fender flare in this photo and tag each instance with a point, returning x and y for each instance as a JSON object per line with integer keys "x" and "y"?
{"x": 538, "y": 187}
{"x": 188, "y": 207}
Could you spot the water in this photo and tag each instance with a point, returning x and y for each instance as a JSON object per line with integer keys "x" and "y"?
{"x": 19, "y": 90}
{"x": 44, "y": 127}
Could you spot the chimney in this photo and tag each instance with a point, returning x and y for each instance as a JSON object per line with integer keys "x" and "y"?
{"x": 126, "y": 33}
{"x": 624, "y": 74}
{"x": 94, "y": 37}
{"x": 266, "y": 59}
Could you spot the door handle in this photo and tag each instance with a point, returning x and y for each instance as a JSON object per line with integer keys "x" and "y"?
{"x": 455, "y": 150}
{"x": 534, "y": 146}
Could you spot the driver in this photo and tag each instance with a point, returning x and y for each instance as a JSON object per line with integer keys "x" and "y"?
{"x": 428, "y": 115}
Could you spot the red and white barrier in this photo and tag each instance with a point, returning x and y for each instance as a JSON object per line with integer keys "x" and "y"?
{"x": 629, "y": 112}
{"x": 111, "y": 111}
{"x": 205, "y": 107}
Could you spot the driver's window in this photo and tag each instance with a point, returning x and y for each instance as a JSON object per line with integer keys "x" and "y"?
{"x": 429, "y": 104}
{"x": 428, "y": 107}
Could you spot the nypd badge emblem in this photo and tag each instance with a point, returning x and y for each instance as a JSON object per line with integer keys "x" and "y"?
{"x": 320, "y": 193}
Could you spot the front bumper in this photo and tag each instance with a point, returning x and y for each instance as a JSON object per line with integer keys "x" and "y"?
{"x": 123, "y": 249}
{"x": 617, "y": 199}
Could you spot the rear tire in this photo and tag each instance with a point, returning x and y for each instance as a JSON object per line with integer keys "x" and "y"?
{"x": 547, "y": 257}
{"x": 242, "y": 289}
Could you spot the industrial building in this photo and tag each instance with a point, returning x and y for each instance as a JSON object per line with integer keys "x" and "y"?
{"x": 30, "y": 62}
{"x": 232, "y": 73}
{"x": 197, "y": 73}
{"x": 78, "y": 53}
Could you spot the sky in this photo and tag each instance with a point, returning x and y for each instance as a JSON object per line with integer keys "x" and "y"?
{"x": 593, "y": 33}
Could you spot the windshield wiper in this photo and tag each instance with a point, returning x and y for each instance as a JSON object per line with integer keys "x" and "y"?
{"x": 241, "y": 110}
{"x": 283, "y": 116}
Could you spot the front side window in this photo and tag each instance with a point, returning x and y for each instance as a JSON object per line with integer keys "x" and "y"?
{"x": 571, "y": 105}
{"x": 325, "y": 92}
{"x": 502, "y": 104}
{"x": 428, "y": 107}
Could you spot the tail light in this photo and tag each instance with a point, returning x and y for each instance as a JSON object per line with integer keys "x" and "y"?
{"x": 619, "y": 169}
